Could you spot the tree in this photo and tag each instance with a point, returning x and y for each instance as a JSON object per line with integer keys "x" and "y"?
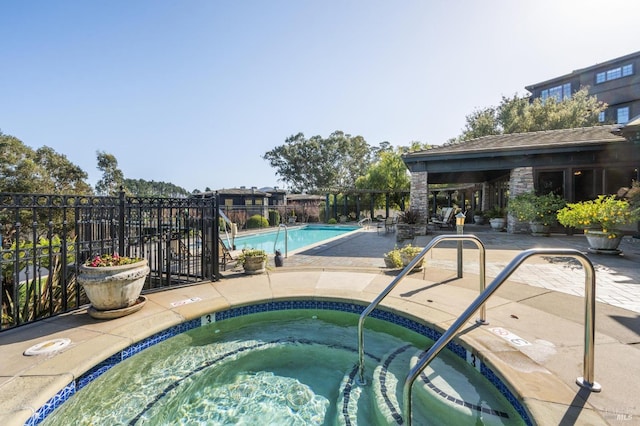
{"x": 315, "y": 163}
{"x": 112, "y": 177}
{"x": 518, "y": 115}
{"x": 24, "y": 170}
{"x": 389, "y": 174}
{"x": 144, "y": 188}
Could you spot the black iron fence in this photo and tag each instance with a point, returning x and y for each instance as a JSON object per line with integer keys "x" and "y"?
{"x": 43, "y": 239}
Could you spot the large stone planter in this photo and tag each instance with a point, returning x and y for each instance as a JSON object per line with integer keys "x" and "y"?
{"x": 602, "y": 242}
{"x": 113, "y": 287}
{"x": 254, "y": 265}
{"x": 404, "y": 231}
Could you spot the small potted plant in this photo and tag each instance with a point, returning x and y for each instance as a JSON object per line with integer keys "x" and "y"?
{"x": 478, "y": 217}
{"x": 497, "y": 218}
{"x": 539, "y": 211}
{"x": 113, "y": 284}
{"x": 408, "y": 253}
{"x": 600, "y": 220}
{"x": 393, "y": 258}
{"x": 253, "y": 261}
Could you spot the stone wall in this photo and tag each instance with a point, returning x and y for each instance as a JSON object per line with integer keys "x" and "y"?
{"x": 520, "y": 181}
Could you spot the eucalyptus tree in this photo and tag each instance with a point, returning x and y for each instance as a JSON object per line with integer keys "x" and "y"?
{"x": 112, "y": 177}
{"x": 307, "y": 164}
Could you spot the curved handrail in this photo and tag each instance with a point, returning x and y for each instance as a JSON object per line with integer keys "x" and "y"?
{"x": 589, "y": 328}
{"x": 434, "y": 242}
{"x": 365, "y": 222}
{"x": 286, "y": 238}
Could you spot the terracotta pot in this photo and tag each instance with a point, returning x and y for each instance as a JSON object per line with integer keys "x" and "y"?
{"x": 113, "y": 287}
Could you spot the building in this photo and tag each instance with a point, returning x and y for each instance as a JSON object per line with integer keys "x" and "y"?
{"x": 615, "y": 82}
{"x": 578, "y": 164}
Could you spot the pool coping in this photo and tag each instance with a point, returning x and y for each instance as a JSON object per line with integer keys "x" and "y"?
{"x": 33, "y": 381}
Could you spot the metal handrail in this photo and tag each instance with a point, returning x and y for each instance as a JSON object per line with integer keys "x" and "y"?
{"x": 286, "y": 239}
{"x": 366, "y": 220}
{"x": 434, "y": 242}
{"x": 586, "y": 381}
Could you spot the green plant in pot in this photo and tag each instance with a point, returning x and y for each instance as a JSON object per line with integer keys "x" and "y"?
{"x": 393, "y": 258}
{"x": 600, "y": 220}
{"x": 539, "y": 210}
{"x": 497, "y": 218}
{"x": 408, "y": 253}
{"x": 113, "y": 284}
{"x": 253, "y": 261}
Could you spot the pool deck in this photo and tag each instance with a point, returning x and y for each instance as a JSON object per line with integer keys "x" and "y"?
{"x": 542, "y": 303}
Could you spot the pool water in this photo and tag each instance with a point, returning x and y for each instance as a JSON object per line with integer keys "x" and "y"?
{"x": 283, "y": 368}
{"x": 297, "y": 237}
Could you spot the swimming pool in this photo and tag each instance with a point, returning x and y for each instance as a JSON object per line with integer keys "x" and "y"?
{"x": 285, "y": 363}
{"x": 298, "y": 237}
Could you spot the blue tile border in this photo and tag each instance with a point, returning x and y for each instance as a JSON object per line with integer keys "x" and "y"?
{"x": 64, "y": 394}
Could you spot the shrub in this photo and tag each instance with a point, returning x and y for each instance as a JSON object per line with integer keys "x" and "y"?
{"x": 605, "y": 213}
{"x": 332, "y": 221}
{"x": 274, "y": 217}
{"x": 257, "y": 221}
{"x": 542, "y": 209}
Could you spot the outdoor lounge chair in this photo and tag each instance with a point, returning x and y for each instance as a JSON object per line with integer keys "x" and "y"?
{"x": 224, "y": 255}
{"x": 446, "y": 220}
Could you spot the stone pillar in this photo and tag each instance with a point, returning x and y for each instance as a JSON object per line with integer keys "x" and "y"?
{"x": 419, "y": 196}
{"x": 520, "y": 181}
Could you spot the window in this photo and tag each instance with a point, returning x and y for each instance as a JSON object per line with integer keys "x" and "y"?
{"x": 601, "y": 117}
{"x": 623, "y": 115}
{"x": 556, "y": 92}
{"x": 248, "y": 202}
{"x": 258, "y": 202}
{"x": 228, "y": 202}
{"x": 614, "y": 73}
{"x": 566, "y": 91}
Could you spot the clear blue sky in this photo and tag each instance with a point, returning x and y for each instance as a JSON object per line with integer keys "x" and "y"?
{"x": 194, "y": 92}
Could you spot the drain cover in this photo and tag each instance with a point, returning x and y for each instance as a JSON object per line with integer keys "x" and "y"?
{"x": 47, "y": 347}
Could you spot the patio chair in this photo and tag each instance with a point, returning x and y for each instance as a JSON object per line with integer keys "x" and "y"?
{"x": 389, "y": 224}
{"x": 446, "y": 220}
{"x": 224, "y": 254}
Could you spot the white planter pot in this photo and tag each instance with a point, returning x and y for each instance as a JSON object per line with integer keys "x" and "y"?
{"x": 497, "y": 224}
{"x": 602, "y": 243}
{"x": 113, "y": 287}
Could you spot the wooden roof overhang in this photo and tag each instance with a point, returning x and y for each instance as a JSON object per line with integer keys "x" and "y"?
{"x": 491, "y": 157}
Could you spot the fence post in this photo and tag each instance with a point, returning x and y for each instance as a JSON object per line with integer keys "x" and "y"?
{"x": 215, "y": 237}
{"x": 121, "y": 246}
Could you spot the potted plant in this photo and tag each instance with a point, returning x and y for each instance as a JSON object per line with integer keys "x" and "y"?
{"x": 113, "y": 284}
{"x": 393, "y": 258}
{"x": 254, "y": 261}
{"x": 539, "y": 211}
{"x": 497, "y": 218}
{"x": 478, "y": 217}
{"x": 408, "y": 253}
{"x": 600, "y": 220}
{"x": 408, "y": 225}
